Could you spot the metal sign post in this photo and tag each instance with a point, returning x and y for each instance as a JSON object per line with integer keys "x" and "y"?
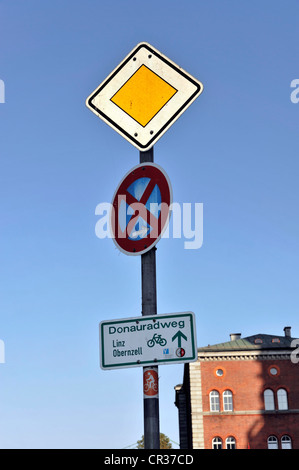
{"x": 141, "y": 99}
{"x": 149, "y": 307}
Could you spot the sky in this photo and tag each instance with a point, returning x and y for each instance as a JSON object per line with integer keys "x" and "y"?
{"x": 234, "y": 150}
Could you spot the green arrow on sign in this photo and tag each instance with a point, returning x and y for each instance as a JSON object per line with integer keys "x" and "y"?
{"x": 179, "y": 335}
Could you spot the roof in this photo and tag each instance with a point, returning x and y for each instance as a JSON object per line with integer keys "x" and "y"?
{"x": 255, "y": 342}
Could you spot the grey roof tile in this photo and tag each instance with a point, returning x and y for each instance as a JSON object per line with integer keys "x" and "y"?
{"x": 249, "y": 343}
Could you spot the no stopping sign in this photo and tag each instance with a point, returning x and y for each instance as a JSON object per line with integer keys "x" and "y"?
{"x": 141, "y": 209}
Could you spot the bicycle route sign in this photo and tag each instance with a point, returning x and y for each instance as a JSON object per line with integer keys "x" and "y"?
{"x": 148, "y": 341}
{"x": 141, "y": 208}
{"x": 144, "y": 96}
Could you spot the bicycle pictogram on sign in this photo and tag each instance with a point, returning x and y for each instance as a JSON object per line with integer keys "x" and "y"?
{"x": 156, "y": 339}
{"x": 150, "y": 383}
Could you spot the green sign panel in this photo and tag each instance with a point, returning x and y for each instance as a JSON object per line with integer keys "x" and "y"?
{"x": 148, "y": 340}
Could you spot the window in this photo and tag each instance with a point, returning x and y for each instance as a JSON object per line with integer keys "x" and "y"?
{"x": 272, "y": 442}
{"x": 219, "y": 372}
{"x": 273, "y": 371}
{"x": 286, "y": 442}
{"x": 216, "y": 443}
{"x": 282, "y": 399}
{"x": 230, "y": 443}
{"x": 227, "y": 400}
{"x": 214, "y": 401}
{"x": 269, "y": 399}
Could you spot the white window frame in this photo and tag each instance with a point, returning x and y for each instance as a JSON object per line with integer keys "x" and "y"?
{"x": 227, "y": 397}
{"x": 286, "y": 442}
{"x": 269, "y": 399}
{"x": 272, "y": 442}
{"x": 230, "y": 442}
{"x": 282, "y": 399}
{"x": 217, "y": 443}
{"x": 214, "y": 401}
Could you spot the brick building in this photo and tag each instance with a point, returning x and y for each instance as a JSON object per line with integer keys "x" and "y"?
{"x": 241, "y": 394}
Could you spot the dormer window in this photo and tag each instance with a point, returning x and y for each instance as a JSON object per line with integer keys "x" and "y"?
{"x": 258, "y": 341}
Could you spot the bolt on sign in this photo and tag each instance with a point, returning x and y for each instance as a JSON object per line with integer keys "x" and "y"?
{"x": 148, "y": 341}
{"x": 144, "y": 96}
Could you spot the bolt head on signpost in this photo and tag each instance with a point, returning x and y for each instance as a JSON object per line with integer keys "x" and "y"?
{"x": 144, "y": 96}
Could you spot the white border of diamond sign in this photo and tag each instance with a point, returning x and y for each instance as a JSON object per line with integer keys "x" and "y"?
{"x": 187, "y": 88}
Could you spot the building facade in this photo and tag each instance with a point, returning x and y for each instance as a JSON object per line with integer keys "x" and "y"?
{"x": 241, "y": 394}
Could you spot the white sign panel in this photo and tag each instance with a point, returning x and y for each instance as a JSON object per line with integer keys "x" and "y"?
{"x": 144, "y": 95}
{"x": 148, "y": 340}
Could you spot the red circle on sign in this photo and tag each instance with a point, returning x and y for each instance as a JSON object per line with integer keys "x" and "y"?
{"x": 180, "y": 352}
{"x": 141, "y": 209}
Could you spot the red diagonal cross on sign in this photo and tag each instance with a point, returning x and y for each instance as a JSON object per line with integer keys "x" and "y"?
{"x": 128, "y": 209}
{"x": 140, "y": 210}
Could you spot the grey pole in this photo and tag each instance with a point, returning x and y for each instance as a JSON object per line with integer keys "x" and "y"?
{"x": 149, "y": 307}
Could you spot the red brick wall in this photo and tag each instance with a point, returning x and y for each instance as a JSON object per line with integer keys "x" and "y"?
{"x": 247, "y": 379}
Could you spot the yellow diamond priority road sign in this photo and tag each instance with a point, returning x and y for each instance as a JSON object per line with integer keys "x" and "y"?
{"x": 144, "y": 96}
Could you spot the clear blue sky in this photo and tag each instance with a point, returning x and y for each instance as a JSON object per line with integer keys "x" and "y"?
{"x": 235, "y": 150}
